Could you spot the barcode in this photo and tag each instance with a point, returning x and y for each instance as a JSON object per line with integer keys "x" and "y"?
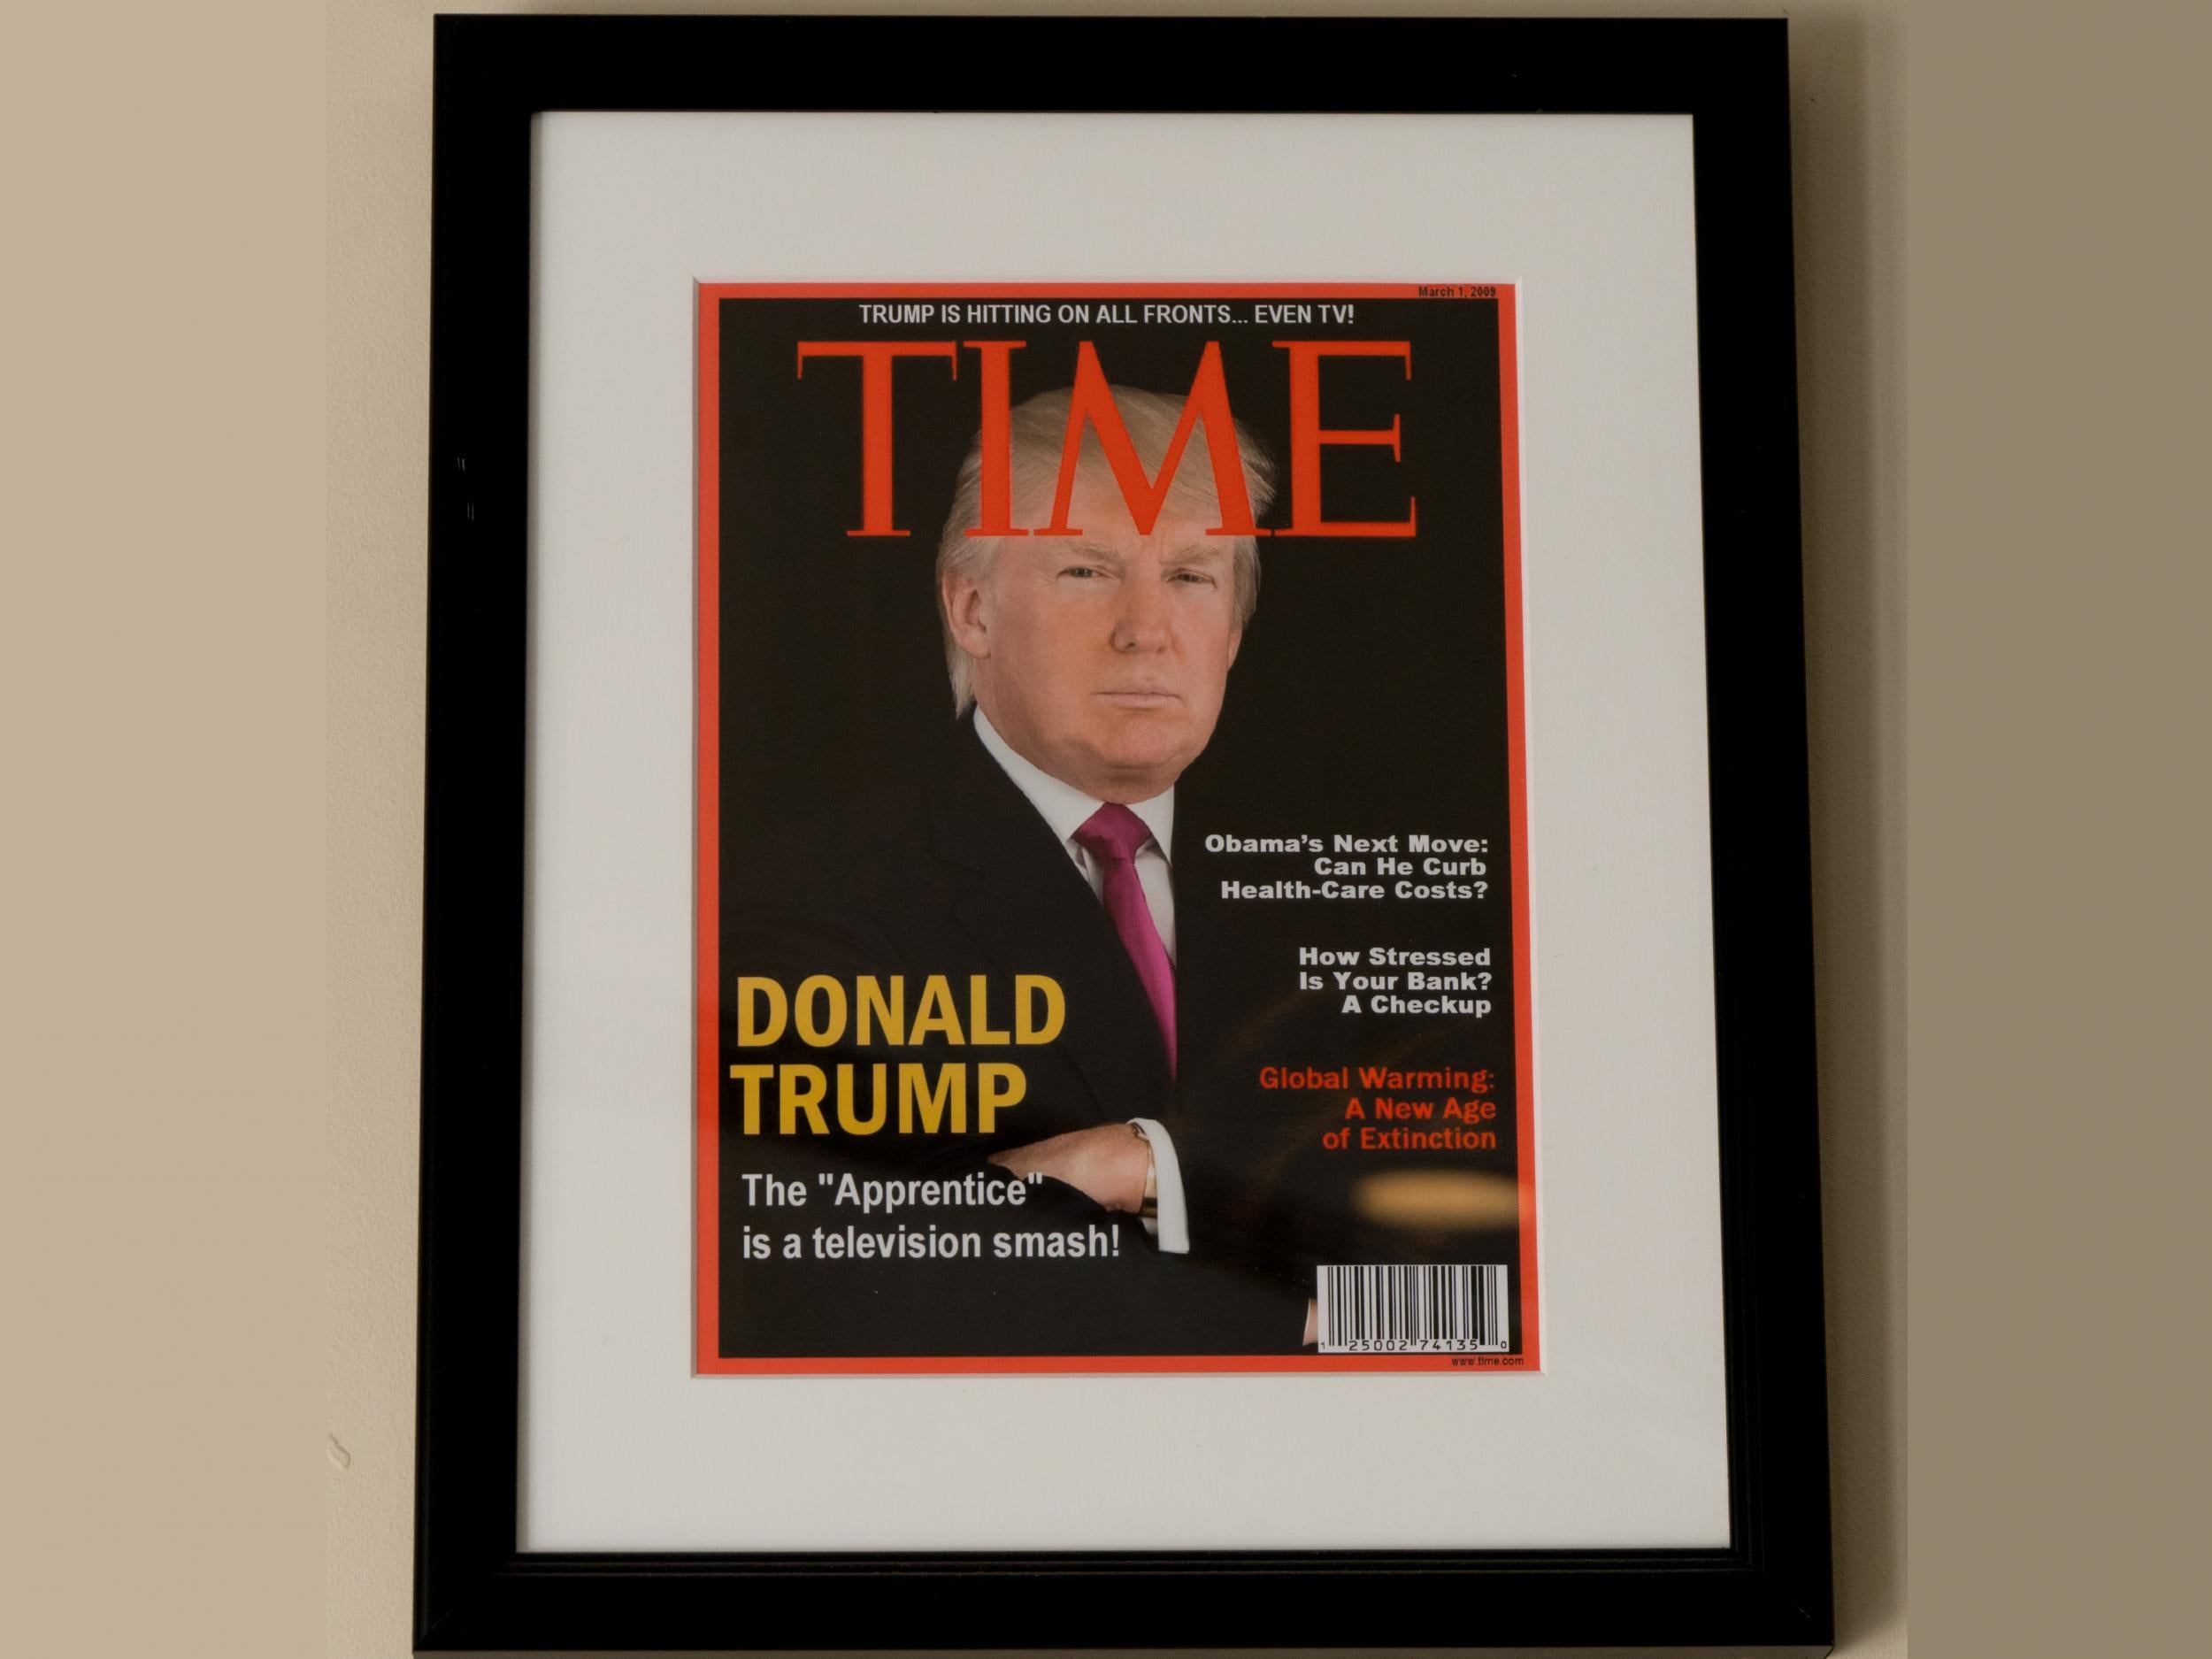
{"x": 1451, "y": 1309}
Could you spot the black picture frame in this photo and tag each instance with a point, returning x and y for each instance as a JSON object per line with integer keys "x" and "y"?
{"x": 1770, "y": 1591}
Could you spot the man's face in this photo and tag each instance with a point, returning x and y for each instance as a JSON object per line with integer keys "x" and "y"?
{"x": 1102, "y": 658}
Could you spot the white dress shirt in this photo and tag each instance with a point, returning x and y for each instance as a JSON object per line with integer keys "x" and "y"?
{"x": 1066, "y": 809}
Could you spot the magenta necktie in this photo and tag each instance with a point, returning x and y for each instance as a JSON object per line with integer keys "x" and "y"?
{"x": 1112, "y": 835}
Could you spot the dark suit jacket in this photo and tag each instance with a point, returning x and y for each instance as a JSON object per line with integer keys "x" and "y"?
{"x": 959, "y": 875}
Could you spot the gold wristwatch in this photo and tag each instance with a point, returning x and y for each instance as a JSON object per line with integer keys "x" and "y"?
{"x": 1149, "y": 1208}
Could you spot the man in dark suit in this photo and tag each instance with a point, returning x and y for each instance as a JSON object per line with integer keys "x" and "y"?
{"x": 1089, "y": 670}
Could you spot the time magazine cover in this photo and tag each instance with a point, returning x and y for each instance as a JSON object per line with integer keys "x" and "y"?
{"x": 1112, "y": 932}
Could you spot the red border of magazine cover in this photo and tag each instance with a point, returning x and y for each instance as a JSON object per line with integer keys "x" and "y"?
{"x": 706, "y": 1228}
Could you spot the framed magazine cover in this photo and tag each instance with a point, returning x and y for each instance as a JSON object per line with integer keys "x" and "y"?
{"x": 1117, "y": 924}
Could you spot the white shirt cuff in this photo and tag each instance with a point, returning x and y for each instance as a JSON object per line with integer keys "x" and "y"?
{"x": 1171, "y": 1230}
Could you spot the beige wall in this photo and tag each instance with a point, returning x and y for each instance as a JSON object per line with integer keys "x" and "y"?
{"x": 177, "y": 1244}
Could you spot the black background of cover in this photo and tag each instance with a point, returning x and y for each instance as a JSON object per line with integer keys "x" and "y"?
{"x": 1368, "y": 697}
